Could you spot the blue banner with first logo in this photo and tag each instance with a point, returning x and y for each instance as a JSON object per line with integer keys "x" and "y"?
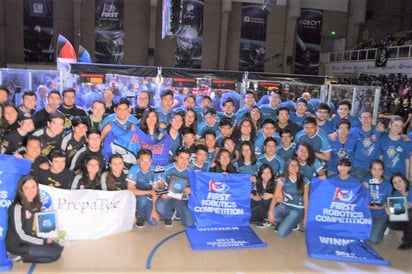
{"x": 220, "y": 205}
{"x": 339, "y": 222}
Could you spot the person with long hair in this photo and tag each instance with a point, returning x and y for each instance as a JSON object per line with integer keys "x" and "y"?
{"x": 223, "y": 162}
{"x": 229, "y": 144}
{"x": 90, "y": 175}
{"x": 262, "y": 194}
{"x": 289, "y": 205}
{"x": 150, "y": 125}
{"x": 247, "y": 162}
{"x": 115, "y": 177}
{"x": 244, "y": 131}
{"x": 21, "y": 239}
{"x": 255, "y": 116}
{"x": 310, "y": 166}
{"x": 190, "y": 120}
{"x": 401, "y": 188}
{"x": 378, "y": 190}
{"x": 173, "y": 129}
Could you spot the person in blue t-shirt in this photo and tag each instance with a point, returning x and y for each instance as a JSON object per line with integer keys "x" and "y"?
{"x": 270, "y": 156}
{"x": 167, "y": 205}
{"x": 142, "y": 181}
{"x": 394, "y": 151}
{"x": 401, "y": 188}
{"x": 342, "y": 147}
{"x": 290, "y": 203}
{"x": 315, "y": 138}
{"x": 366, "y": 148}
{"x": 378, "y": 190}
{"x": 343, "y": 112}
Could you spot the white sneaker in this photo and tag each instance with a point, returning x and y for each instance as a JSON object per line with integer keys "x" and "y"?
{"x": 264, "y": 224}
{"x": 387, "y": 230}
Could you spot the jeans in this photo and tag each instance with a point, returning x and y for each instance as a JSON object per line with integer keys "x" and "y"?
{"x": 287, "y": 217}
{"x": 45, "y": 253}
{"x": 259, "y": 210}
{"x": 165, "y": 208}
{"x": 144, "y": 207}
{"x": 379, "y": 224}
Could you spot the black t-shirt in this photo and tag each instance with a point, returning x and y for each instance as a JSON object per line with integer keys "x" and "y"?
{"x": 13, "y": 141}
{"x": 62, "y": 180}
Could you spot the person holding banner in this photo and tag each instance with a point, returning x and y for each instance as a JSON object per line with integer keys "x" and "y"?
{"x": 401, "y": 187}
{"x": 223, "y": 163}
{"x": 290, "y": 203}
{"x": 166, "y": 205}
{"x": 344, "y": 166}
{"x": 378, "y": 189}
{"x": 21, "y": 239}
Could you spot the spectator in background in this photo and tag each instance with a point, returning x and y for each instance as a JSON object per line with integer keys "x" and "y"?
{"x": 42, "y": 94}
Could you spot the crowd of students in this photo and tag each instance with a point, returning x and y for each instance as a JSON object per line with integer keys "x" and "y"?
{"x": 281, "y": 147}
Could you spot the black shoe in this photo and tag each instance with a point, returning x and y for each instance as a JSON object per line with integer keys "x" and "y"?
{"x": 168, "y": 222}
{"x": 275, "y": 226}
{"x": 405, "y": 246}
{"x": 140, "y": 222}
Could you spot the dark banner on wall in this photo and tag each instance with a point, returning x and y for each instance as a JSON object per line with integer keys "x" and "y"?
{"x": 252, "y": 38}
{"x": 38, "y": 31}
{"x": 308, "y": 36}
{"x": 188, "y": 52}
{"x": 109, "y": 34}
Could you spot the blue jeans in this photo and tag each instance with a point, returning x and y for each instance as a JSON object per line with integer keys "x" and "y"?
{"x": 287, "y": 217}
{"x": 165, "y": 208}
{"x": 379, "y": 224}
{"x": 144, "y": 207}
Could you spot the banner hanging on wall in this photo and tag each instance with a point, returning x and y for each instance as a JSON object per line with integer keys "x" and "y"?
{"x": 38, "y": 31}
{"x": 308, "y": 38}
{"x": 109, "y": 33}
{"x": 252, "y": 38}
{"x": 188, "y": 51}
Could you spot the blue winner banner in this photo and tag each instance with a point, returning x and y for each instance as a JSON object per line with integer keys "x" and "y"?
{"x": 339, "y": 222}
{"x": 220, "y": 204}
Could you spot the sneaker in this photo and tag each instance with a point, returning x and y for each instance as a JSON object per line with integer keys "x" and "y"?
{"x": 296, "y": 227}
{"x": 175, "y": 216}
{"x": 275, "y": 226}
{"x": 387, "y": 230}
{"x": 140, "y": 222}
{"x": 168, "y": 222}
{"x": 264, "y": 224}
{"x": 14, "y": 258}
{"x": 405, "y": 246}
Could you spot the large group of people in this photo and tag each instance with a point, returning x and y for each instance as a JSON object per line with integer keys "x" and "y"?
{"x": 281, "y": 147}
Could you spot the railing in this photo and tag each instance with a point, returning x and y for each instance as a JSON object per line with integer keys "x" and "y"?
{"x": 398, "y": 52}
